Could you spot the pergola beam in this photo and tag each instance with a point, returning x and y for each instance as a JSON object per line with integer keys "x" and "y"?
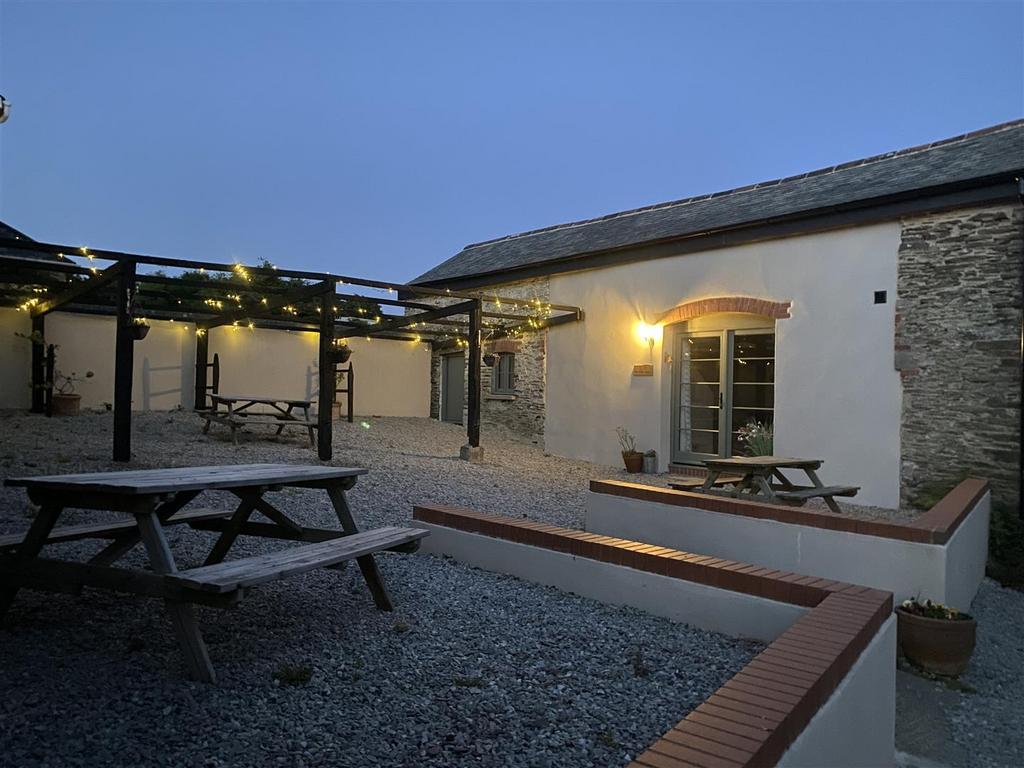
{"x": 406, "y": 320}
{"x": 94, "y": 283}
{"x": 279, "y": 302}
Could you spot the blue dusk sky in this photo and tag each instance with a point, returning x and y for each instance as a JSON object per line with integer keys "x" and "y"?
{"x": 377, "y": 139}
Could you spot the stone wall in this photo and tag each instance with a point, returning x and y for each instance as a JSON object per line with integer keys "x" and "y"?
{"x": 958, "y": 325}
{"x": 523, "y": 412}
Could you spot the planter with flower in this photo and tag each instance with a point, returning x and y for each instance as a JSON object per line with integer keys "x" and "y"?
{"x": 935, "y": 637}
{"x": 758, "y": 437}
{"x": 631, "y": 457}
{"x": 66, "y": 402}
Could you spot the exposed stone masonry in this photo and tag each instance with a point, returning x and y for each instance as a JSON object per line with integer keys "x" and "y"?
{"x": 957, "y": 347}
{"x": 522, "y": 413}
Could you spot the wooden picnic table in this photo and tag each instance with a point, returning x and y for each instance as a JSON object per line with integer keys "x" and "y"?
{"x": 153, "y": 499}
{"x": 752, "y": 476}
{"x": 234, "y": 411}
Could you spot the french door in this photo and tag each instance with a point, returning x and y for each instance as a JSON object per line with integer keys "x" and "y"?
{"x": 723, "y": 381}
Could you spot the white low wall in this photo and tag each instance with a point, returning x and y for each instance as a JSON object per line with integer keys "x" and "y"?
{"x": 856, "y": 727}
{"x": 392, "y": 377}
{"x": 719, "y": 610}
{"x": 948, "y": 573}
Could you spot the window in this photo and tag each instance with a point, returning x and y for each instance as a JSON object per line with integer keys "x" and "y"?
{"x": 503, "y": 374}
{"x": 724, "y": 380}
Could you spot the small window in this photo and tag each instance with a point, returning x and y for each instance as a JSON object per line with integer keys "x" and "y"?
{"x": 503, "y": 375}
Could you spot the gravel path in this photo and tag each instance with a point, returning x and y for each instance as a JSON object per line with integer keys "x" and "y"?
{"x": 987, "y": 723}
{"x": 472, "y": 668}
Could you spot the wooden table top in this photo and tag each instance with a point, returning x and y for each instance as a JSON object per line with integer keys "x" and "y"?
{"x": 259, "y": 399}
{"x": 762, "y": 462}
{"x": 174, "y": 479}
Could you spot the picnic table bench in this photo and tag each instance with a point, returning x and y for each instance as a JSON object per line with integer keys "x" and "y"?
{"x": 752, "y": 476}
{"x": 235, "y": 411}
{"x": 153, "y": 499}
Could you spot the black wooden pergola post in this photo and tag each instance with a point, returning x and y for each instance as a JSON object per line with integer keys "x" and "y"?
{"x": 472, "y": 450}
{"x": 325, "y": 397}
{"x": 124, "y": 360}
{"x": 38, "y": 364}
{"x": 202, "y": 367}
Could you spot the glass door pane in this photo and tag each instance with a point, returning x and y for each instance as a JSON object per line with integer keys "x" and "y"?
{"x": 699, "y": 387}
{"x": 752, "y": 397}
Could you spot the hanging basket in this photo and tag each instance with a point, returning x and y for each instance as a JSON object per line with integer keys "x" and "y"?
{"x": 342, "y": 354}
{"x": 489, "y": 359}
{"x": 138, "y": 331}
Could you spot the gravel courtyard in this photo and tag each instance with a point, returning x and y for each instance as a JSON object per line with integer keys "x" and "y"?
{"x": 472, "y": 668}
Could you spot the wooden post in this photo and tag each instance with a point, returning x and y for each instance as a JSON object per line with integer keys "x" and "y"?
{"x": 124, "y": 363}
{"x": 325, "y": 396}
{"x": 38, "y": 371}
{"x": 351, "y": 393}
{"x": 202, "y": 367}
{"x": 49, "y": 372}
{"x": 471, "y": 451}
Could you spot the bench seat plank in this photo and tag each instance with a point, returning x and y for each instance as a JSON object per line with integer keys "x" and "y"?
{"x": 111, "y": 530}
{"x": 802, "y": 494}
{"x": 689, "y": 483}
{"x": 250, "y": 571}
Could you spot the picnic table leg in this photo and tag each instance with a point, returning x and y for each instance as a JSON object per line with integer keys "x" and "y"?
{"x": 287, "y": 415}
{"x": 762, "y": 484}
{"x": 189, "y": 638}
{"x": 126, "y": 542}
{"x": 366, "y": 563}
{"x": 34, "y": 541}
{"x": 312, "y": 435}
{"x": 232, "y": 529}
{"x": 829, "y": 501}
{"x": 709, "y": 480}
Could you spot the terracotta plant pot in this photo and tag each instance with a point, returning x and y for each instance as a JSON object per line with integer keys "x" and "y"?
{"x": 939, "y": 646}
{"x": 66, "y": 405}
{"x": 634, "y": 461}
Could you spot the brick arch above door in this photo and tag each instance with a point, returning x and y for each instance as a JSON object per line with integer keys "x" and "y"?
{"x": 777, "y": 310}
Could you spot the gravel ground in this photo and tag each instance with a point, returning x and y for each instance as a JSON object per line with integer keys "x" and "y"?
{"x": 472, "y": 668}
{"x": 987, "y": 722}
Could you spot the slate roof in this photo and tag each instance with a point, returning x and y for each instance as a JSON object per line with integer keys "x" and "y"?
{"x": 10, "y": 233}
{"x": 989, "y": 154}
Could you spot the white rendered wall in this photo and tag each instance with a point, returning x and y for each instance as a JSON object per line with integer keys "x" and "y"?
{"x": 947, "y": 573}
{"x": 856, "y": 727}
{"x": 164, "y": 361}
{"x": 837, "y": 394}
{"x": 967, "y": 554}
{"x": 15, "y": 359}
{"x": 392, "y": 377}
{"x": 719, "y": 610}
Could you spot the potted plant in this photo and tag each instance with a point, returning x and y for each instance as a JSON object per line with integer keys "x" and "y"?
{"x": 759, "y": 438}
{"x": 935, "y": 637}
{"x": 138, "y": 328}
{"x": 631, "y": 457}
{"x": 489, "y": 359}
{"x": 65, "y": 401}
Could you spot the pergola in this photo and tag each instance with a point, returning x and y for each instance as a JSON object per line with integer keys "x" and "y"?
{"x": 40, "y": 278}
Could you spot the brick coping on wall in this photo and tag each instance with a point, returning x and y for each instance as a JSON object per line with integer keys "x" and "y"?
{"x": 760, "y": 711}
{"x": 935, "y": 526}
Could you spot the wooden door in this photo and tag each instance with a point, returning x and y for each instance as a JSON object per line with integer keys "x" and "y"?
{"x": 453, "y": 387}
